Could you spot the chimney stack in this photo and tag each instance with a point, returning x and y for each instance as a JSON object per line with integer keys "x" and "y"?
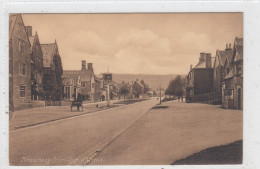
{"x": 202, "y": 57}
{"x": 190, "y": 67}
{"x": 208, "y": 60}
{"x": 226, "y": 46}
{"x": 90, "y": 67}
{"x": 28, "y": 30}
{"x": 229, "y": 45}
{"x": 83, "y": 65}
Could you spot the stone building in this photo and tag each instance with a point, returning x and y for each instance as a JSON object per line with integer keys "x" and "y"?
{"x": 19, "y": 64}
{"x": 219, "y": 62}
{"x": 81, "y": 82}
{"x": 37, "y": 69}
{"x": 52, "y": 83}
{"x": 232, "y": 88}
{"x": 200, "y": 80}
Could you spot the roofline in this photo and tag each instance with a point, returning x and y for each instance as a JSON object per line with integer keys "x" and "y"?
{"x": 14, "y": 25}
{"x": 47, "y": 43}
{"x": 24, "y": 28}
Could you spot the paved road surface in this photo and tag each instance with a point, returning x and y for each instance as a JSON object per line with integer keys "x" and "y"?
{"x": 74, "y": 140}
{"x": 128, "y": 135}
{"x": 173, "y": 132}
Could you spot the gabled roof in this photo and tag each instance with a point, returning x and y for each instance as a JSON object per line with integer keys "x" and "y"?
{"x": 70, "y": 73}
{"x": 227, "y": 55}
{"x": 221, "y": 57}
{"x": 48, "y": 51}
{"x": 137, "y": 82}
{"x": 238, "y": 49}
{"x": 12, "y": 20}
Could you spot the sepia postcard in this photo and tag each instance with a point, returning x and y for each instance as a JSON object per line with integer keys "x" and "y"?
{"x": 109, "y": 89}
{"x": 126, "y": 89}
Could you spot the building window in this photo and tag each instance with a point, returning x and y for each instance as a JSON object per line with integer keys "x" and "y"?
{"x": 229, "y": 93}
{"x": 22, "y": 90}
{"x": 83, "y": 84}
{"x": 22, "y": 68}
{"x": 67, "y": 92}
{"x": 21, "y": 47}
{"x": 239, "y": 70}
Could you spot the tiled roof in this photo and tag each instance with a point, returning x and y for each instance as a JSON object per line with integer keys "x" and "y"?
{"x": 137, "y": 82}
{"x": 70, "y": 73}
{"x": 221, "y": 58}
{"x": 12, "y": 19}
{"x": 227, "y": 56}
{"x": 85, "y": 75}
{"x": 240, "y": 51}
{"x": 48, "y": 53}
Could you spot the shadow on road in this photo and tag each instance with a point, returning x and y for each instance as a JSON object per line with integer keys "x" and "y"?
{"x": 160, "y": 107}
{"x": 226, "y": 154}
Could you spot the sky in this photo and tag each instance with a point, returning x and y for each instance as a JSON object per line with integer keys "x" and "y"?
{"x": 155, "y": 43}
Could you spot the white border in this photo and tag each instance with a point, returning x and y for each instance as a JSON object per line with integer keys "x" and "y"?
{"x": 251, "y": 10}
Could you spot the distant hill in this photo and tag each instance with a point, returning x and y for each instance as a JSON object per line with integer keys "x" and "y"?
{"x": 153, "y": 81}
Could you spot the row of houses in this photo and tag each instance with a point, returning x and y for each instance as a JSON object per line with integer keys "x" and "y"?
{"x": 37, "y": 78}
{"x": 35, "y": 69}
{"x": 93, "y": 88}
{"x": 83, "y": 83}
{"x": 219, "y": 79}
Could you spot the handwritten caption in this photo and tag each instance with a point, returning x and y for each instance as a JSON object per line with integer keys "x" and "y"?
{"x": 60, "y": 160}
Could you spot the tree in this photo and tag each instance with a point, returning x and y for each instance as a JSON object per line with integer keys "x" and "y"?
{"x": 124, "y": 90}
{"x": 137, "y": 89}
{"x": 146, "y": 86}
{"x": 176, "y": 87}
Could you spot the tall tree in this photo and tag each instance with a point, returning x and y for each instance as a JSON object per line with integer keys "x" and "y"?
{"x": 176, "y": 87}
{"x": 146, "y": 86}
{"x": 124, "y": 90}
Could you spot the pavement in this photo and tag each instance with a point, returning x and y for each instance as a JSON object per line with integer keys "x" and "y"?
{"x": 136, "y": 134}
{"x": 40, "y": 115}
